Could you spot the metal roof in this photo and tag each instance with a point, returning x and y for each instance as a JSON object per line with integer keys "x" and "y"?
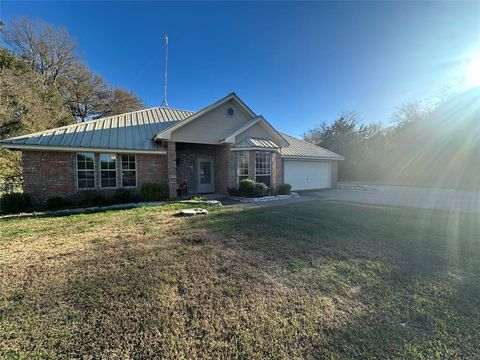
{"x": 135, "y": 131}
{"x": 251, "y": 142}
{"x": 302, "y": 149}
{"x": 130, "y": 131}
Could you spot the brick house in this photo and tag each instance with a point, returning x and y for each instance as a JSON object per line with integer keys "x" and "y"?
{"x": 189, "y": 152}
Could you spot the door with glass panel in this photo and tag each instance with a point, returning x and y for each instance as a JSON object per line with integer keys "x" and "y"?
{"x": 206, "y": 182}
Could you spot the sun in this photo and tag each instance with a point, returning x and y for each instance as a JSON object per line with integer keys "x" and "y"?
{"x": 472, "y": 72}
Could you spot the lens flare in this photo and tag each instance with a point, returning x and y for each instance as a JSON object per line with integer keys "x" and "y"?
{"x": 472, "y": 72}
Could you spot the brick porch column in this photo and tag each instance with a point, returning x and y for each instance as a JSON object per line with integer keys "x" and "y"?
{"x": 251, "y": 165}
{"x": 172, "y": 169}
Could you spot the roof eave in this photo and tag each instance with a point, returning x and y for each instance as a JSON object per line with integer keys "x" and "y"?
{"x": 299, "y": 157}
{"x": 12, "y": 146}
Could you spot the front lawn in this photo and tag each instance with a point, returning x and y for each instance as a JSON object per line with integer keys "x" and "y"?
{"x": 306, "y": 280}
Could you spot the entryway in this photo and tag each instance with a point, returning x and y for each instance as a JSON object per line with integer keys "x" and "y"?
{"x": 206, "y": 182}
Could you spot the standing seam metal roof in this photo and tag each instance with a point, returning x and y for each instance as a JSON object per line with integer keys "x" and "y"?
{"x": 135, "y": 131}
{"x": 130, "y": 131}
{"x": 302, "y": 149}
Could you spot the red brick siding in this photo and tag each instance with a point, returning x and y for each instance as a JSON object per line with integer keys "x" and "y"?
{"x": 277, "y": 170}
{"x": 152, "y": 168}
{"x": 48, "y": 174}
{"x": 172, "y": 169}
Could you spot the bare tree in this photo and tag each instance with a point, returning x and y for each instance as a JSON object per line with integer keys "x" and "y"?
{"x": 49, "y": 50}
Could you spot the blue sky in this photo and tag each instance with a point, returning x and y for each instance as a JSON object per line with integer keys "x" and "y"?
{"x": 298, "y": 64}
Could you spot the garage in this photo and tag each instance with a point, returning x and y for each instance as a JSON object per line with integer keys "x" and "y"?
{"x": 307, "y": 174}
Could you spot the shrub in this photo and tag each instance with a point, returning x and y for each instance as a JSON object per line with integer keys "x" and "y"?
{"x": 152, "y": 191}
{"x": 284, "y": 189}
{"x": 250, "y": 188}
{"x": 13, "y": 203}
{"x": 123, "y": 196}
{"x": 92, "y": 198}
{"x": 57, "y": 202}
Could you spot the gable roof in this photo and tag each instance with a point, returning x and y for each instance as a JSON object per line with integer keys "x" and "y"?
{"x": 166, "y": 133}
{"x": 259, "y": 119}
{"x": 299, "y": 149}
{"x": 136, "y": 131}
{"x": 255, "y": 143}
{"x": 130, "y": 131}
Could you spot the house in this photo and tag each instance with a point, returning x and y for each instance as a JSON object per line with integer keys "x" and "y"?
{"x": 198, "y": 152}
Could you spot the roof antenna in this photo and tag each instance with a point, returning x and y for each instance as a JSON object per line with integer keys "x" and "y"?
{"x": 165, "y": 102}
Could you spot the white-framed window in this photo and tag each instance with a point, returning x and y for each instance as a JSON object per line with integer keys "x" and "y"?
{"x": 263, "y": 167}
{"x": 108, "y": 170}
{"x": 243, "y": 163}
{"x": 86, "y": 170}
{"x": 129, "y": 170}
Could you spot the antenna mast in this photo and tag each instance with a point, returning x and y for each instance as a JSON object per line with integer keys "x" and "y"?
{"x": 165, "y": 102}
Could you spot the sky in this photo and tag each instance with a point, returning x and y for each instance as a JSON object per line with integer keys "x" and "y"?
{"x": 297, "y": 64}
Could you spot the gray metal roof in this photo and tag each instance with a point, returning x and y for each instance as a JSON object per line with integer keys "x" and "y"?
{"x": 251, "y": 142}
{"x": 302, "y": 149}
{"x": 134, "y": 131}
{"x": 130, "y": 131}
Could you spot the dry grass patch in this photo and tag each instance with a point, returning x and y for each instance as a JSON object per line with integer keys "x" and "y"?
{"x": 301, "y": 281}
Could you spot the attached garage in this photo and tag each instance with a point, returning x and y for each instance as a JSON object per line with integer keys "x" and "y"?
{"x": 307, "y": 166}
{"x": 307, "y": 174}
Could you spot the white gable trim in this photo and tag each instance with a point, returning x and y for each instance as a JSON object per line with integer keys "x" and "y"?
{"x": 230, "y": 139}
{"x": 167, "y": 133}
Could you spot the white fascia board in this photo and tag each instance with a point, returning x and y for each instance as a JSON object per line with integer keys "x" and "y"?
{"x": 79, "y": 149}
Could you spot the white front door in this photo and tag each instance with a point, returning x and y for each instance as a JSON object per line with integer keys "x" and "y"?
{"x": 206, "y": 177}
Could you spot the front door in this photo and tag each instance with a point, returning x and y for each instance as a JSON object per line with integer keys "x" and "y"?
{"x": 206, "y": 176}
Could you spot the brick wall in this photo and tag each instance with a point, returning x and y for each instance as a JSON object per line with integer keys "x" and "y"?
{"x": 277, "y": 170}
{"x": 47, "y": 174}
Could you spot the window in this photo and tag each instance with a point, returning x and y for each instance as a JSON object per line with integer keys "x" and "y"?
{"x": 85, "y": 170}
{"x": 108, "y": 170}
{"x": 263, "y": 165}
{"x": 243, "y": 161}
{"x": 129, "y": 170}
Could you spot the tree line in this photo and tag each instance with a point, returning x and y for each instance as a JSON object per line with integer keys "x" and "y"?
{"x": 434, "y": 143}
{"x": 45, "y": 83}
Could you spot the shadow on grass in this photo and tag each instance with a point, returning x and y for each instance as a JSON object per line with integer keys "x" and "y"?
{"x": 303, "y": 280}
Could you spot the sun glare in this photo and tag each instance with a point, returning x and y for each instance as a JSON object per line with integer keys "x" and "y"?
{"x": 472, "y": 72}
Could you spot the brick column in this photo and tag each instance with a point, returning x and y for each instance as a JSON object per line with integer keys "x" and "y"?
{"x": 251, "y": 165}
{"x": 277, "y": 170}
{"x": 172, "y": 169}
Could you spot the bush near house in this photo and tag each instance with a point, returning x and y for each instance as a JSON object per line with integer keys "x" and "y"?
{"x": 92, "y": 198}
{"x": 13, "y": 203}
{"x": 58, "y": 202}
{"x": 250, "y": 189}
{"x": 284, "y": 189}
{"x": 152, "y": 191}
{"x": 124, "y": 196}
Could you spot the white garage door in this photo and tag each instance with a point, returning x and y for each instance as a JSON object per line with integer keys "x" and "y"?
{"x": 307, "y": 175}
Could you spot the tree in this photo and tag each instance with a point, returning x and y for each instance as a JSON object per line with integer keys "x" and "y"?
{"x": 49, "y": 51}
{"x": 360, "y": 144}
{"x": 25, "y": 106}
{"x": 123, "y": 101}
{"x": 85, "y": 94}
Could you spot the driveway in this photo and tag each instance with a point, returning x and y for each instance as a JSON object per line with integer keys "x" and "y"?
{"x": 422, "y": 197}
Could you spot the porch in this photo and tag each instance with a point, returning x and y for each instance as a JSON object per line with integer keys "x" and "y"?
{"x": 208, "y": 169}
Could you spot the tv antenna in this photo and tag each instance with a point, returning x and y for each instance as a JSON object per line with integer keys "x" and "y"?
{"x": 165, "y": 102}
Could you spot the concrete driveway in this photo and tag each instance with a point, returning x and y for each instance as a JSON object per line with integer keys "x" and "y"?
{"x": 422, "y": 197}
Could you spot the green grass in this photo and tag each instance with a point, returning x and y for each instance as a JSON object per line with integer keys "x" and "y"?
{"x": 306, "y": 280}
